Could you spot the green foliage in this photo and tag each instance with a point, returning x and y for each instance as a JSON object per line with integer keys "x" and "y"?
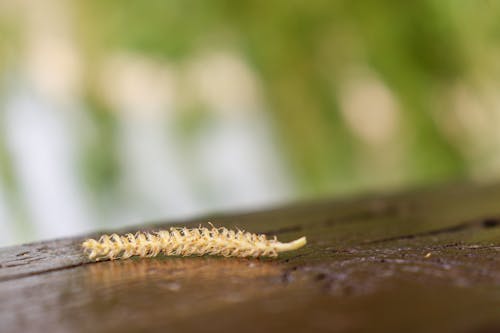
{"x": 99, "y": 154}
{"x": 300, "y": 50}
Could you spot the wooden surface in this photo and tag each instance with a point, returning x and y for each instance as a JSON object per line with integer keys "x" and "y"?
{"x": 426, "y": 261}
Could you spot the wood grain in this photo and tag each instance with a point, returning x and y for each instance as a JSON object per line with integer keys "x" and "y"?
{"x": 422, "y": 261}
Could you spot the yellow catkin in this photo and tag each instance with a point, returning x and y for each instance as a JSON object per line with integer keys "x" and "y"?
{"x": 186, "y": 242}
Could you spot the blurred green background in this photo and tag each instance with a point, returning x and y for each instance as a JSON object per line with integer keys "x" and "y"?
{"x": 119, "y": 112}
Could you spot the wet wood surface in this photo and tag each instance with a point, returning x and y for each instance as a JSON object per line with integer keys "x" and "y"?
{"x": 423, "y": 261}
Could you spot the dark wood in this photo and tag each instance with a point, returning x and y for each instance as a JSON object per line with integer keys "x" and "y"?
{"x": 425, "y": 261}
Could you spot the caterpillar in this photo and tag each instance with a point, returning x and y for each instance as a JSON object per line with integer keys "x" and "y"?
{"x": 186, "y": 242}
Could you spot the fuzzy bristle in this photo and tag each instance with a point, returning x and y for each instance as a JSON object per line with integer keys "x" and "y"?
{"x": 186, "y": 242}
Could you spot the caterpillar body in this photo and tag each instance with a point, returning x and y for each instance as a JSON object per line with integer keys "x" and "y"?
{"x": 186, "y": 242}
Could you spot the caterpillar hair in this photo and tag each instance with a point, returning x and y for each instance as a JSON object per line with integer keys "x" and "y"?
{"x": 186, "y": 242}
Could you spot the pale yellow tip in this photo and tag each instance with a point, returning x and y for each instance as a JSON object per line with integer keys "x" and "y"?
{"x": 290, "y": 246}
